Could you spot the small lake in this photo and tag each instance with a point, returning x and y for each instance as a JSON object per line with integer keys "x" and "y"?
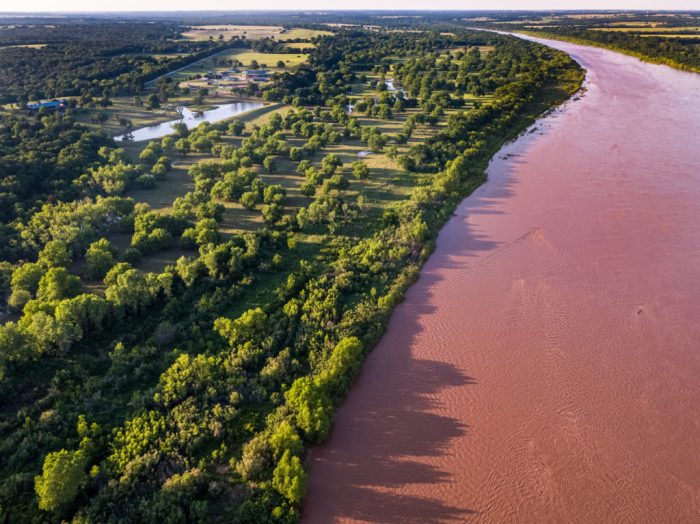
{"x": 191, "y": 119}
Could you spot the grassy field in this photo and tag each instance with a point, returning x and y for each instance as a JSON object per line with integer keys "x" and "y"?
{"x": 635, "y": 24}
{"x": 219, "y": 62}
{"x": 251, "y": 32}
{"x": 269, "y": 59}
{"x": 299, "y": 45}
{"x": 665, "y": 29}
{"x": 306, "y": 34}
{"x": 28, "y": 46}
{"x": 666, "y": 35}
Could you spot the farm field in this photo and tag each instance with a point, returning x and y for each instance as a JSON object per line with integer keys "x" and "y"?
{"x": 250, "y": 32}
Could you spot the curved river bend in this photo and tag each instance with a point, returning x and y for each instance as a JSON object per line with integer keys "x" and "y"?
{"x": 546, "y": 365}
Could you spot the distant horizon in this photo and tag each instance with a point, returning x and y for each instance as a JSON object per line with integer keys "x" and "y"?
{"x": 219, "y": 6}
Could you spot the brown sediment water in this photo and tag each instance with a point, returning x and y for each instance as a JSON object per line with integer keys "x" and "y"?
{"x": 546, "y": 365}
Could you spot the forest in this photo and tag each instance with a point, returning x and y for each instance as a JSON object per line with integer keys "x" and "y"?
{"x": 191, "y": 391}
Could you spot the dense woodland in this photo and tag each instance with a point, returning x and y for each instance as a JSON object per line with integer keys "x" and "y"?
{"x": 89, "y": 58}
{"x": 191, "y": 394}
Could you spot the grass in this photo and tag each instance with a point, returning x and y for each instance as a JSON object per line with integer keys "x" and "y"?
{"x": 124, "y": 107}
{"x": 251, "y": 32}
{"x": 306, "y": 34}
{"x": 387, "y": 182}
{"x": 270, "y": 59}
{"x": 666, "y": 35}
{"x": 28, "y": 46}
{"x": 648, "y": 29}
{"x": 140, "y": 116}
{"x": 299, "y": 45}
{"x": 220, "y": 62}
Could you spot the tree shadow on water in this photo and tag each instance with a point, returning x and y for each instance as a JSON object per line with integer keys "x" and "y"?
{"x": 386, "y": 458}
{"x": 383, "y": 440}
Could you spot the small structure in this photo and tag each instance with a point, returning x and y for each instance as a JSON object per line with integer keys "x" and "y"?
{"x": 257, "y": 75}
{"x": 51, "y": 105}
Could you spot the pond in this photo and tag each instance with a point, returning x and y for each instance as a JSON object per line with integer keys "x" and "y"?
{"x": 191, "y": 119}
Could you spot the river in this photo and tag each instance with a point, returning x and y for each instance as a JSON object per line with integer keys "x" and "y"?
{"x": 546, "y": 365}
{"x": 191, "y": 119}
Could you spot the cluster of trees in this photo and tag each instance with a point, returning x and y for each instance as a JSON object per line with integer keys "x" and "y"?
{"x": 90, "y": 60}
{"x": 155, "y": 396}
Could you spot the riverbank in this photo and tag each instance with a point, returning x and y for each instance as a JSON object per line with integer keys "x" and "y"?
{"x": 512, "y": 382}
{"x": 327, "y": 491}
{"x": 619, "y": 49}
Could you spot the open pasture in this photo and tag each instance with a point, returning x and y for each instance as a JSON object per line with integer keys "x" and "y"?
{"x": 250, "y": 32}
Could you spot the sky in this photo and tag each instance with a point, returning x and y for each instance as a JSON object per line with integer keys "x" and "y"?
{"x": 296, "y": 5}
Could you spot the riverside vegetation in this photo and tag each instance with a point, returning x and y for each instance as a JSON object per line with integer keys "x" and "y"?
{"x": 672, "y": 39}
{"x": 190, "y": 393}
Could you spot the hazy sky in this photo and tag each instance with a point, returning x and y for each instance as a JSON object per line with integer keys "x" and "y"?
{"x": 175, "y": 5}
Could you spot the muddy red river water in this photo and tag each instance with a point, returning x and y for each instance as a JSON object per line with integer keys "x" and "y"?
{"x": 546, "y": 365}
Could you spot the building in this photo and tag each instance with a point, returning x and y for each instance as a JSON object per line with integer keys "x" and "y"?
{"x": 52, "y": 105}
{"x": 257, "y": 75}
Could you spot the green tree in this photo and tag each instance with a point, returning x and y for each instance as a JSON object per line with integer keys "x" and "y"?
{"x": 249, "y": 200}
{"x": 63, "y": 476}
{"x": 148, "y": 156}
{"x": 99, "y": 259}
{"x": 312, "y": 408}
{"x": 182, "y": 146}
{"x": 153, "y": 102}
{"x": 236, "y": 127}
{"x": 285, "y": 438}
{"x": 58, "y": 283}
{"x": 360, "y": 170}
{"x": 55, "y": 254}
{"x": 180, "y": 130}
{"x": 289, "y": 478}
{"x": 269, "y": 164}
{"x": 271, "y": 213}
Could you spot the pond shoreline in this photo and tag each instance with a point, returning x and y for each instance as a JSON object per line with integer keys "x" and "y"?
{"x": 192, "y": 119}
